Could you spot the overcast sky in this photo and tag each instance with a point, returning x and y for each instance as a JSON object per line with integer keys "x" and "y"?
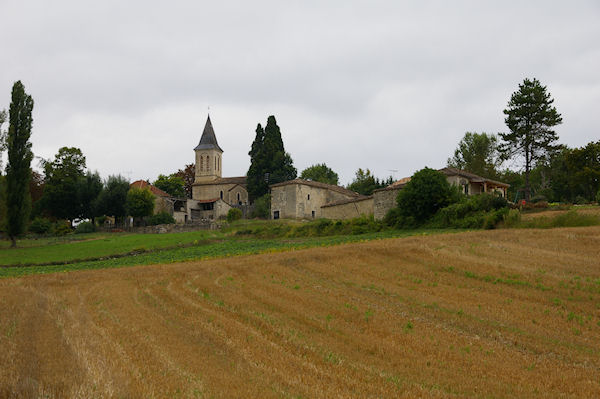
{"x": 387, "y": 85}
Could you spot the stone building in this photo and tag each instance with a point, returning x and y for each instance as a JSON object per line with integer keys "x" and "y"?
{"x": 209, "y": 185}
{"x": 304, "y": 199}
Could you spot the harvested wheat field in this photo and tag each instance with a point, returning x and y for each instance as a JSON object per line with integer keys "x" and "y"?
{"x": 484, "y": 314}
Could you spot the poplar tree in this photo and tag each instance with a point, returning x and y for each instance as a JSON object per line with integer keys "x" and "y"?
{"x": 18, "y": 169}
{"x": 530, "y": 116}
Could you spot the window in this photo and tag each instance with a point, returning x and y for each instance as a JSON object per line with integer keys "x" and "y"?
{"x": 221, "y": 194}
{"x": 308, "y": 197}
{"x": 239, "y": 202}
{"x": 313, "y": 214}
{"x": 207, "y": 163}
{"x": 275, "y": 214}
{"x": 201, "y": 163}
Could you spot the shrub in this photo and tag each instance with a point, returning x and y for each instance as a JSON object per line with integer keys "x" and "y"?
{"x": 478, "y": 211}
{"x": 100, "y": 220}
{"x": 538, "y": 198}
{"x": 62, "y": 228}
{"x": 40, "y": 226}
{"x": 427, "y": 192}
{"x": 85, "y": 227}
{"x": 160, "y": 218}
{"x": 234, "y": 214}
{"x": 262, "y": 207}
{"x": 580, "y": 200}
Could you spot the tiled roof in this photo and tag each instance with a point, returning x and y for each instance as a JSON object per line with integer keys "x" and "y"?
{"x": 208, "y": 141}
{"x": 471, "y": 176}
{"x": 348, "y": 201}
{"x": 153, "y": 189}
{"x": 241, "y": 180}
{"x": 397, "y": 185}
{"x": 317, "y": 184}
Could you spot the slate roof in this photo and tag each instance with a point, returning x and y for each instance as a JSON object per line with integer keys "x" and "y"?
{"x": 317, "y": 184}
{"x": 241, "y": 180}
{"x": 471, "y": 176}
{"x": 153, "y": 189}
{"x": 208, "y": 141}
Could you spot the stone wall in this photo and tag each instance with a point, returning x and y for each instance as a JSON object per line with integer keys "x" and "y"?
{"x": 348, "y": 210}
{"x": 384, "y": 200}
{"x": 176, "y": 228}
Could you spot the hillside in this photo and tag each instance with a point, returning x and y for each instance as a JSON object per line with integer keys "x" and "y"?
{"x": 507, "y": 313}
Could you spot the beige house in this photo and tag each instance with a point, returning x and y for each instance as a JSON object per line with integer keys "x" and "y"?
{"x": 471, "y": 183}
{"x": 304, "y": 199}
{"x": 209, "y": 183}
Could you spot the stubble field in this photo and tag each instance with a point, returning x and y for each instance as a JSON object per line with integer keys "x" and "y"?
{"x": 507, "y": 313}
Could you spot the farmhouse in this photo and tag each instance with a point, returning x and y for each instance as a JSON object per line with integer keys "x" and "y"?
{"x": 472, "y": 184}
{"x": 304, "y": 199}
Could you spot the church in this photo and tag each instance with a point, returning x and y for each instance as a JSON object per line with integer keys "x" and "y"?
{"x": 212, "y": 194}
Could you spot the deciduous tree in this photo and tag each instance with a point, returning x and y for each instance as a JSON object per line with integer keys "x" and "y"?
{"x": 365, "y": 183}
{"x": 62, "y": 179}
{"x": 321, "y": 173}
{"x": 140, "y": 202}
{"x": 477, "y": 153}
{"x": 427, "y": 192}
{"x": 188, "y": 174}
{"x": 112, "y": 200}
{"x": 172, "y": 184}
{"x": 530, "y": 116}
{"x": 18, "y": 169}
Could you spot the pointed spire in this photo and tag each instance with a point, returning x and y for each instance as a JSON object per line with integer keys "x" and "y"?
{"x": 208, "y": 141}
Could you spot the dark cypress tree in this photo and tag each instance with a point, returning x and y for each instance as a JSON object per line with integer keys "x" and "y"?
{"x": 18, "y": 169}
{"x": 269, "y": 163}
{"x": 257, "y": 185}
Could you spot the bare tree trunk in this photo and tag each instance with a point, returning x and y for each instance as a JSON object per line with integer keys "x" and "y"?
{"x": 13, "y": 242}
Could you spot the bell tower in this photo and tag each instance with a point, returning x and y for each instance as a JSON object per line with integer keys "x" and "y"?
{"x": 208, "y": 156}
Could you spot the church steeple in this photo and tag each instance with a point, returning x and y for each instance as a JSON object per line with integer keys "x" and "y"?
{"x": 208, "y": 155}
{"x": 208, "y": 141}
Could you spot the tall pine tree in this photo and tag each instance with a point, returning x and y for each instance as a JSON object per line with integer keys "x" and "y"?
{"x": 18, "y": 169}
{"x": 530, "y": 116}
{"x": 269, "y": 163}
